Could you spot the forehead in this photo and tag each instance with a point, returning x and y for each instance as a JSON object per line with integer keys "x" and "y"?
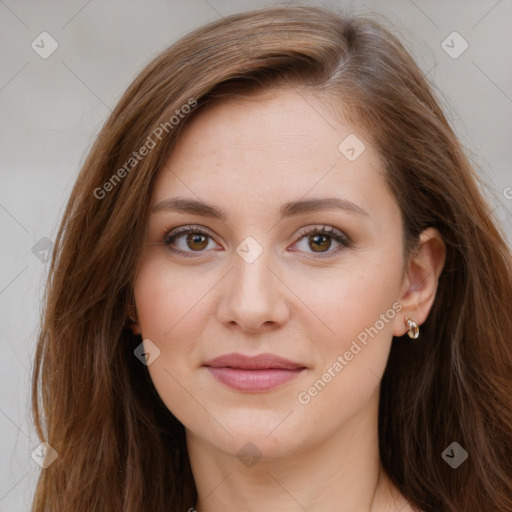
{"x": 269, "y": 121}
{"x": 280, "y": 143}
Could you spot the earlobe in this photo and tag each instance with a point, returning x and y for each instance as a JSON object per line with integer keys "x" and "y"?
{"x": 132, "y": 321}
{"x": 420, "y": 282}
{"x": 135, "y": 329}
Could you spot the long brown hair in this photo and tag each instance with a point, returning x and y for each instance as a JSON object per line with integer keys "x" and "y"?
{"x": 119, "y": 447}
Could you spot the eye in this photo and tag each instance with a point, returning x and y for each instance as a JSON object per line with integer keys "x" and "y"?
{"x": 196, "y": 240}
{"x": 319, "y": 240}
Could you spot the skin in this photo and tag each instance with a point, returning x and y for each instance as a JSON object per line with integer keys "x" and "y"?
{"x": 248, "y": 156}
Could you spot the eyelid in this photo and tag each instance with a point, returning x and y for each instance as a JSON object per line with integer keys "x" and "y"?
{"x": 189, "y": 228}
{"x": 336, "y": 234}
{"x": 174, "y": 233}
{"x": 322, "y": 228}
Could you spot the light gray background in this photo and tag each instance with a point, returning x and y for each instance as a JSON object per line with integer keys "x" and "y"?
{"x": 52, "y": 108}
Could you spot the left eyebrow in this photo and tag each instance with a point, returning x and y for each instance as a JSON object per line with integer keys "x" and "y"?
{"x": 184, "y": 205}
{"x": 315, "y": 205}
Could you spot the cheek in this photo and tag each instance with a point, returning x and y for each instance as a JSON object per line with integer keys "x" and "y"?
{"x": 358, "y": 308}
{"x": 171, "y": 315}
{"x": 167, "y": 299}
{"x": 357, "y": 304}
{"x": 351, "y": 298}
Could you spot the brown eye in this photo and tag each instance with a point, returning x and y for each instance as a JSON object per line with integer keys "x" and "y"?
{"x": 187, "y": 241}
{"x": 319, "y": 243}
{"x": 197, "y": 241}
{"x": 320, "y": 240}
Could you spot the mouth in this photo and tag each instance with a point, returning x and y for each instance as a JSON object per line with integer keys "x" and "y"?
{"x": 253, "y": 373}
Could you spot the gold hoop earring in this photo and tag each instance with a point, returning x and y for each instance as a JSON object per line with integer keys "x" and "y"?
{"x": 414, "y": 330}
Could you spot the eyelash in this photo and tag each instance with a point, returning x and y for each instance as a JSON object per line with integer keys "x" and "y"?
{"x": 169, "y": 236}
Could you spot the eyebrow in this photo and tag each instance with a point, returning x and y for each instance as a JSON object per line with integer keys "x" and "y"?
{"x": 184, "y": 205}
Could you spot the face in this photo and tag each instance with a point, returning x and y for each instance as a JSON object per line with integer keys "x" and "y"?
{"x": 271, "y": 274}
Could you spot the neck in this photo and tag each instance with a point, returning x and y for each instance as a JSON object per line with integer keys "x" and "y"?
{"x": 341, "y": 472}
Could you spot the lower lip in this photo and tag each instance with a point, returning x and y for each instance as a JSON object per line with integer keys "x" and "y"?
{"x": 253, "y": 380}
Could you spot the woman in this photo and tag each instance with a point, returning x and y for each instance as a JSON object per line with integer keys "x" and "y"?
{"x": 277, "y": 287}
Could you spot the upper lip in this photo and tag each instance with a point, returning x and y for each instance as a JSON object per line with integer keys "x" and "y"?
{"x": 257, "y": 362}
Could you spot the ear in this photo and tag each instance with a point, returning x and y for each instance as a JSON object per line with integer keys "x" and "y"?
{"x": 420, "y": 281}
{"x": 132, "y": 320}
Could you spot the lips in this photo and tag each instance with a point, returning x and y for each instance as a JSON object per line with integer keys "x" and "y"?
{"x": 253, "y": 373}
{"x": 259, "y": 362}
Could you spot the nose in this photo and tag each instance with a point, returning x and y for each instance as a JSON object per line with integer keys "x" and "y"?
{"x": 254, "y": 297}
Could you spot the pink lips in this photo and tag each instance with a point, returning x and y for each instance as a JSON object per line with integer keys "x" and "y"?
{"x": 253, "y": 373}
